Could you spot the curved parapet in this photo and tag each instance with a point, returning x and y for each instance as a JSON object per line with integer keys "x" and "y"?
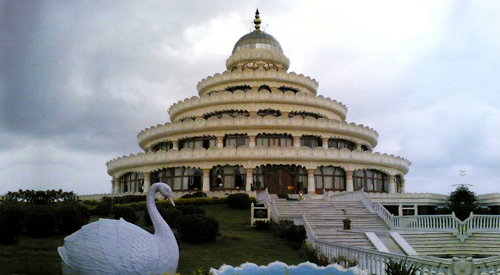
{"x": 254, "y": 100}
{"x": 257, "y": 77}
{"x": 256, "y": 124}
{"x": 258, "y": 155}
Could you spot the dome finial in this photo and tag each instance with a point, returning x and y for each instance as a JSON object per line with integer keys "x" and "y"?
{"x": 257, "y": 21}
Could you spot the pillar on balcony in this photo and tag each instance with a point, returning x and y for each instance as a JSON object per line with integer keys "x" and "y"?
{"x": 325, "y": 142}
{"x": 358, "y": 146}
{"x": 249, "y": 179}
{"x": 175, "y": 144}
{"x": 392, "y": 184}
{"x": 206, "y": 180}
{"x": 296, "y": 141}
{"x": 116, "y": 184}
{"x": 311, "y": 185}
{"x": 252, "y": 140}
{"x": 220, "y": 141}
{"x": 149, "y": 148}
{"x": 349, "y": 181}
{"x": 402, "y": 186}
{"x": 147, "y": 181}
{"x": 285, "y": 114}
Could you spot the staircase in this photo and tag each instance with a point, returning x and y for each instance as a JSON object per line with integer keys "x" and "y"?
{"x": 446, "y": 245}
{"x": 326, "y": 220}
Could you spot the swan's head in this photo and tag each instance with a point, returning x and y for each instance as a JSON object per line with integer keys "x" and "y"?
{"x": 166, "y": 191}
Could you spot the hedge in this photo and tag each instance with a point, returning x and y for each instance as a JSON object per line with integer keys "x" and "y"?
{"x": 197, "y": 228}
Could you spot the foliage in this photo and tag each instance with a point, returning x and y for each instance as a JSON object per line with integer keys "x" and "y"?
{"x": 400, "y": 268}
{"x": 91, "y": 202}
{"x": 71, "y": 216}
{"x": 462, "y": 201}
{"x": 289, "y": 231}
{"x": 187, "y": 196}
{"x": 197, "y": 228}
{"x": 40, "y": 197}
{"x": 126, "y": 212}
{"x": 171, "y": 215}
{"x": 239, "y": 201}
{"x": 11, "y": 221}
{"x": 129, "y": 199}
{"x": 199, "y": 195}
{"x": 40, "y": 221}
{"x": 104, "y": 208}
{"x": 312, "y": 254}
{"x": 191, "y": 209}
{"x": 261, "y": 225}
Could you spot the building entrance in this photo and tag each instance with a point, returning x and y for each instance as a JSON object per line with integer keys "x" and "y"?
{"x": 281, "y": 179}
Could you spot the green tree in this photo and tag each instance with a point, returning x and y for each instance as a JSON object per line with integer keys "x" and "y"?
{"x": 462, "y": 201}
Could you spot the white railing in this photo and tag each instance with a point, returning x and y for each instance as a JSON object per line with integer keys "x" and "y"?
{"x": 427, "y": 222}
{"x": 475, "y": 223}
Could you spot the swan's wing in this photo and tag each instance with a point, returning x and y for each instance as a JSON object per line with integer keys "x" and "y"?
{"x": 110, "y": 247}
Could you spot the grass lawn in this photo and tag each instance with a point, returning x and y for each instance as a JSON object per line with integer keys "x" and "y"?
{"x": 239, "y": 243}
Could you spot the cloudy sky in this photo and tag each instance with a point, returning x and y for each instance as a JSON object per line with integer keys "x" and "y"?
{"x": 80, "y": 79}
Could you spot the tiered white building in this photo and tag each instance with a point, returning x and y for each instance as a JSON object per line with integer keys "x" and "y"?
{"x": 258, "y": 126}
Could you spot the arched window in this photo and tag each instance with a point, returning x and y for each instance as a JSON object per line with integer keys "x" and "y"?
{"x": 267, "y": 140}
{"x": 370, "y": 180}
{"x": 198, "y": 142}
{"x": 269, "y": 112}
{"x": 236, "y": 140}
{"x": 306, "y": 115}
{"x": 227, "y": 113}
{"x": 228, "y": 177}
{"x": 232, "y": 89}
{"x": 264, "y": 87}
{"x": 288, "y": 89}
{"x": 280, "y": 179}
{"x": 330, "y": 178}
{"x": 165, "y": 146}
{"x": 132, "y": 182}
{"x": 310, "y": 141}
{"x": 341, "y": 144}
{"x": 180, "y": 178}
{"x": 364, "y": 148}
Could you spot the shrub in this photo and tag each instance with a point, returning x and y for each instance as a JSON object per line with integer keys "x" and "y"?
{"x": 400, "y": 268}
{"x": 126, "y": 212}
{"x": 187, "y": 196}
{"x": 462, "y": 201}
{"x": 296, "y": 233}
{"x": 171, "y": 215}
{"x": 128, "y": 199}
{"x": 239, "y": 201}
{"x": 261, "y": 225}
{"x": 104, "y": 208}
{"x": 191, "y": 209}
{"x": 312, "y": 255}
{"x": 40, "y": 221}
{"x": 199, "y": 195}
{"x": 11, "y": 221}
{"x": 197, "y": 228}
{"x": 71, "y": 216}
{"x": 90, "y": 202}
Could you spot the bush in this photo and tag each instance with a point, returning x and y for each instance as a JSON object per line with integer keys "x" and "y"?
{"x": 197, "y": 228}
{"x": 171, "y": 215}
{"x": 129, "y": 199}
{"x": 104, "y": 208}
{"x": 71, "y": 216}
{"x": 310, "y": 254}
{"x": 126, "y": 212}
{"x": 187, "y": 196}
{"x": 400, "y": 268}
{"x": 40, "y": 221}
{"x": 239, "y": 201}
{"x": 191, "y": 209}
{"x": 199, "y": 195}
{"x": 289, "y": 231}
{"x": 261, "y": 225}
{"x": 90, "y": 202}
{"x": 11, "y": 221}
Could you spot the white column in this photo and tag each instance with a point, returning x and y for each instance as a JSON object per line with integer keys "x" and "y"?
{"x": 122, "y": 187}
{"x": 133, "y": 187}
{"x": 392, "y": 184}
{"x": 402, "y": 185}
{"x": 220, "y": 141}
{"x": 249, "y": 179}
{"x": 349, "y": 181}
{"x": 311, "y": 185}
{"x": 175, "y": 144}
{"x": 206, "y": 180}
{"x": 252, "y": 140}
{"x": 296, "y": 141}
{"x": 149, "y": 148}
{"x": 147, "y": 181}
{"x": 116, "y": 183}
{"x": 325, "y": 142}
{"x": 285, "y": 114}
{"x": 358, "y": 146}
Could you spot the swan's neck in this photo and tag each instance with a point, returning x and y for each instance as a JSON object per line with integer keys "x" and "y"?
{"x": 162, "y": 229}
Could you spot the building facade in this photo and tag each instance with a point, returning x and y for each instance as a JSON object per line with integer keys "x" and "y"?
{"x": 257, "y": 126}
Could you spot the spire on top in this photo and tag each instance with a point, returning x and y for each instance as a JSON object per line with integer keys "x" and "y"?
{"x": 257, "y": 21}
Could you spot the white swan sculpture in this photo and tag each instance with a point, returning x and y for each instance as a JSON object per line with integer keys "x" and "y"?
{"x": 119, "y": 247}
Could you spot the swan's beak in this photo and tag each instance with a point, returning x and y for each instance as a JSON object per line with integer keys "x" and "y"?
{"x": 171, "y": 200}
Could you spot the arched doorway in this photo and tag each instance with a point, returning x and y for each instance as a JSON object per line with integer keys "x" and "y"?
{"x": 281, "y": 179}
